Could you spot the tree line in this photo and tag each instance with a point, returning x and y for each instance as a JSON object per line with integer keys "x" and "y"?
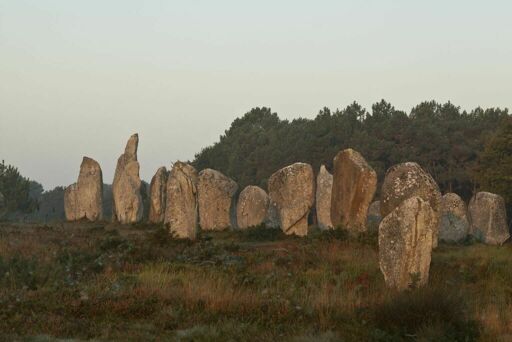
{"x": 454, "y": 145}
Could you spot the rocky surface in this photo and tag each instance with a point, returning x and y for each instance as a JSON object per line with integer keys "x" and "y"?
{"x": 84, "y": 199}
{"x": 181, "y": 213}
{"x": 405, "y": 244}
{"x": 157, "y": 196}
{"x": 126, "y": 187}
{"x": 354, "y": 185}
{"x": 216, "y": 198}
{"x": 252, "y": 207}
{"x": 71, "y": 209}
{"x": 292, "y": 189}
{"x": 406, "y": 180}
{"x": 323, "y": 198}
{"x": 454, "y": 220}
{"x": 488, "y": 218}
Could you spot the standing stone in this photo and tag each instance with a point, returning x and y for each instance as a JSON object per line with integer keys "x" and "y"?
{"x": 126, "y": 187}
{"x": 71, "y": 208}
{"x": 405, "y": 244}
{"x": 406, "y": 180}
{"x": 181, "y": 213}
{"x": 488, "y": 218}
{"x": 157, "y": 196}
{"x": 454, "y": 221}
{"x": 216, "y": 200}
{"x": 323, "y": 198}
{"x": 292, "y": 189}
{"x": 373, "y": 216}
{"x": 84, "y": 199}
{"x": 252, "y": 207}
{"x": 354, "y": 184}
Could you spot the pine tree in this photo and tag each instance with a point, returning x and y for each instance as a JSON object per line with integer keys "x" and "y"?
{"x": 494, "y": 170}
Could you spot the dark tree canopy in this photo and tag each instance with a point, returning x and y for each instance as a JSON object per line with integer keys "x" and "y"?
{"x": 16, "y": 189}
{"x": 494, "y": 170}
{"x": 442, "y": 138}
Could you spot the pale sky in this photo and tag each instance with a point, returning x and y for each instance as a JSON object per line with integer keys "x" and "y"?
{"x": 78, "y": 77}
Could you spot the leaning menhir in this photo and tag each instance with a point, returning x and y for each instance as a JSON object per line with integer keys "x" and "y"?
{"x": 353, "y": 188}
{"x": 292, "y": 189}
{"x": 126, "y": 187}
{"x": 84, "y": 199}
{"x": 216, "y": 198}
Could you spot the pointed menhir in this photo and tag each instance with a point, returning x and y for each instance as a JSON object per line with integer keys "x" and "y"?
{"x": 126, "y": 187}
{"x": 83, "y": 199}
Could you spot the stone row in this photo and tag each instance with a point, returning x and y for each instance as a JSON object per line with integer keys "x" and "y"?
{"x": 411, "y": 215}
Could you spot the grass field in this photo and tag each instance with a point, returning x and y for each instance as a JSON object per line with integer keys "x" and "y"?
{"x": 104, "y": 281}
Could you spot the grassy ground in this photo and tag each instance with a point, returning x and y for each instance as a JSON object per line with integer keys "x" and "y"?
{"x": 102, "y": 281}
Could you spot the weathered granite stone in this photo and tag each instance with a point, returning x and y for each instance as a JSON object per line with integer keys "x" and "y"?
{"x": 406, "y": 180}
{"x": 488, "y": 218}
{"x": 405, "y": 244}
{"x": 454, "y": 221}
{"x": 354, "y": 185}
{"x": 126, "y": 187}
{"x": 71, "y": 207}
{"x": 181, "y": 214}
{"x": 157, "y": 196}
{"x": 323, "y": 198}
{"x": 216, "y": 197}
{"x": 84, "y": 199}
{"x": 292, "y": 189}
{"x": 252, "y": 207}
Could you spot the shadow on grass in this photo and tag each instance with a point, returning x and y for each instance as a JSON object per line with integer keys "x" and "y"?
{"x": 430, "y": 313}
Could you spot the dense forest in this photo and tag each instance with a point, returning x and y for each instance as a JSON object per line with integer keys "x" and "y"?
{"x": 442, "y": 138}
